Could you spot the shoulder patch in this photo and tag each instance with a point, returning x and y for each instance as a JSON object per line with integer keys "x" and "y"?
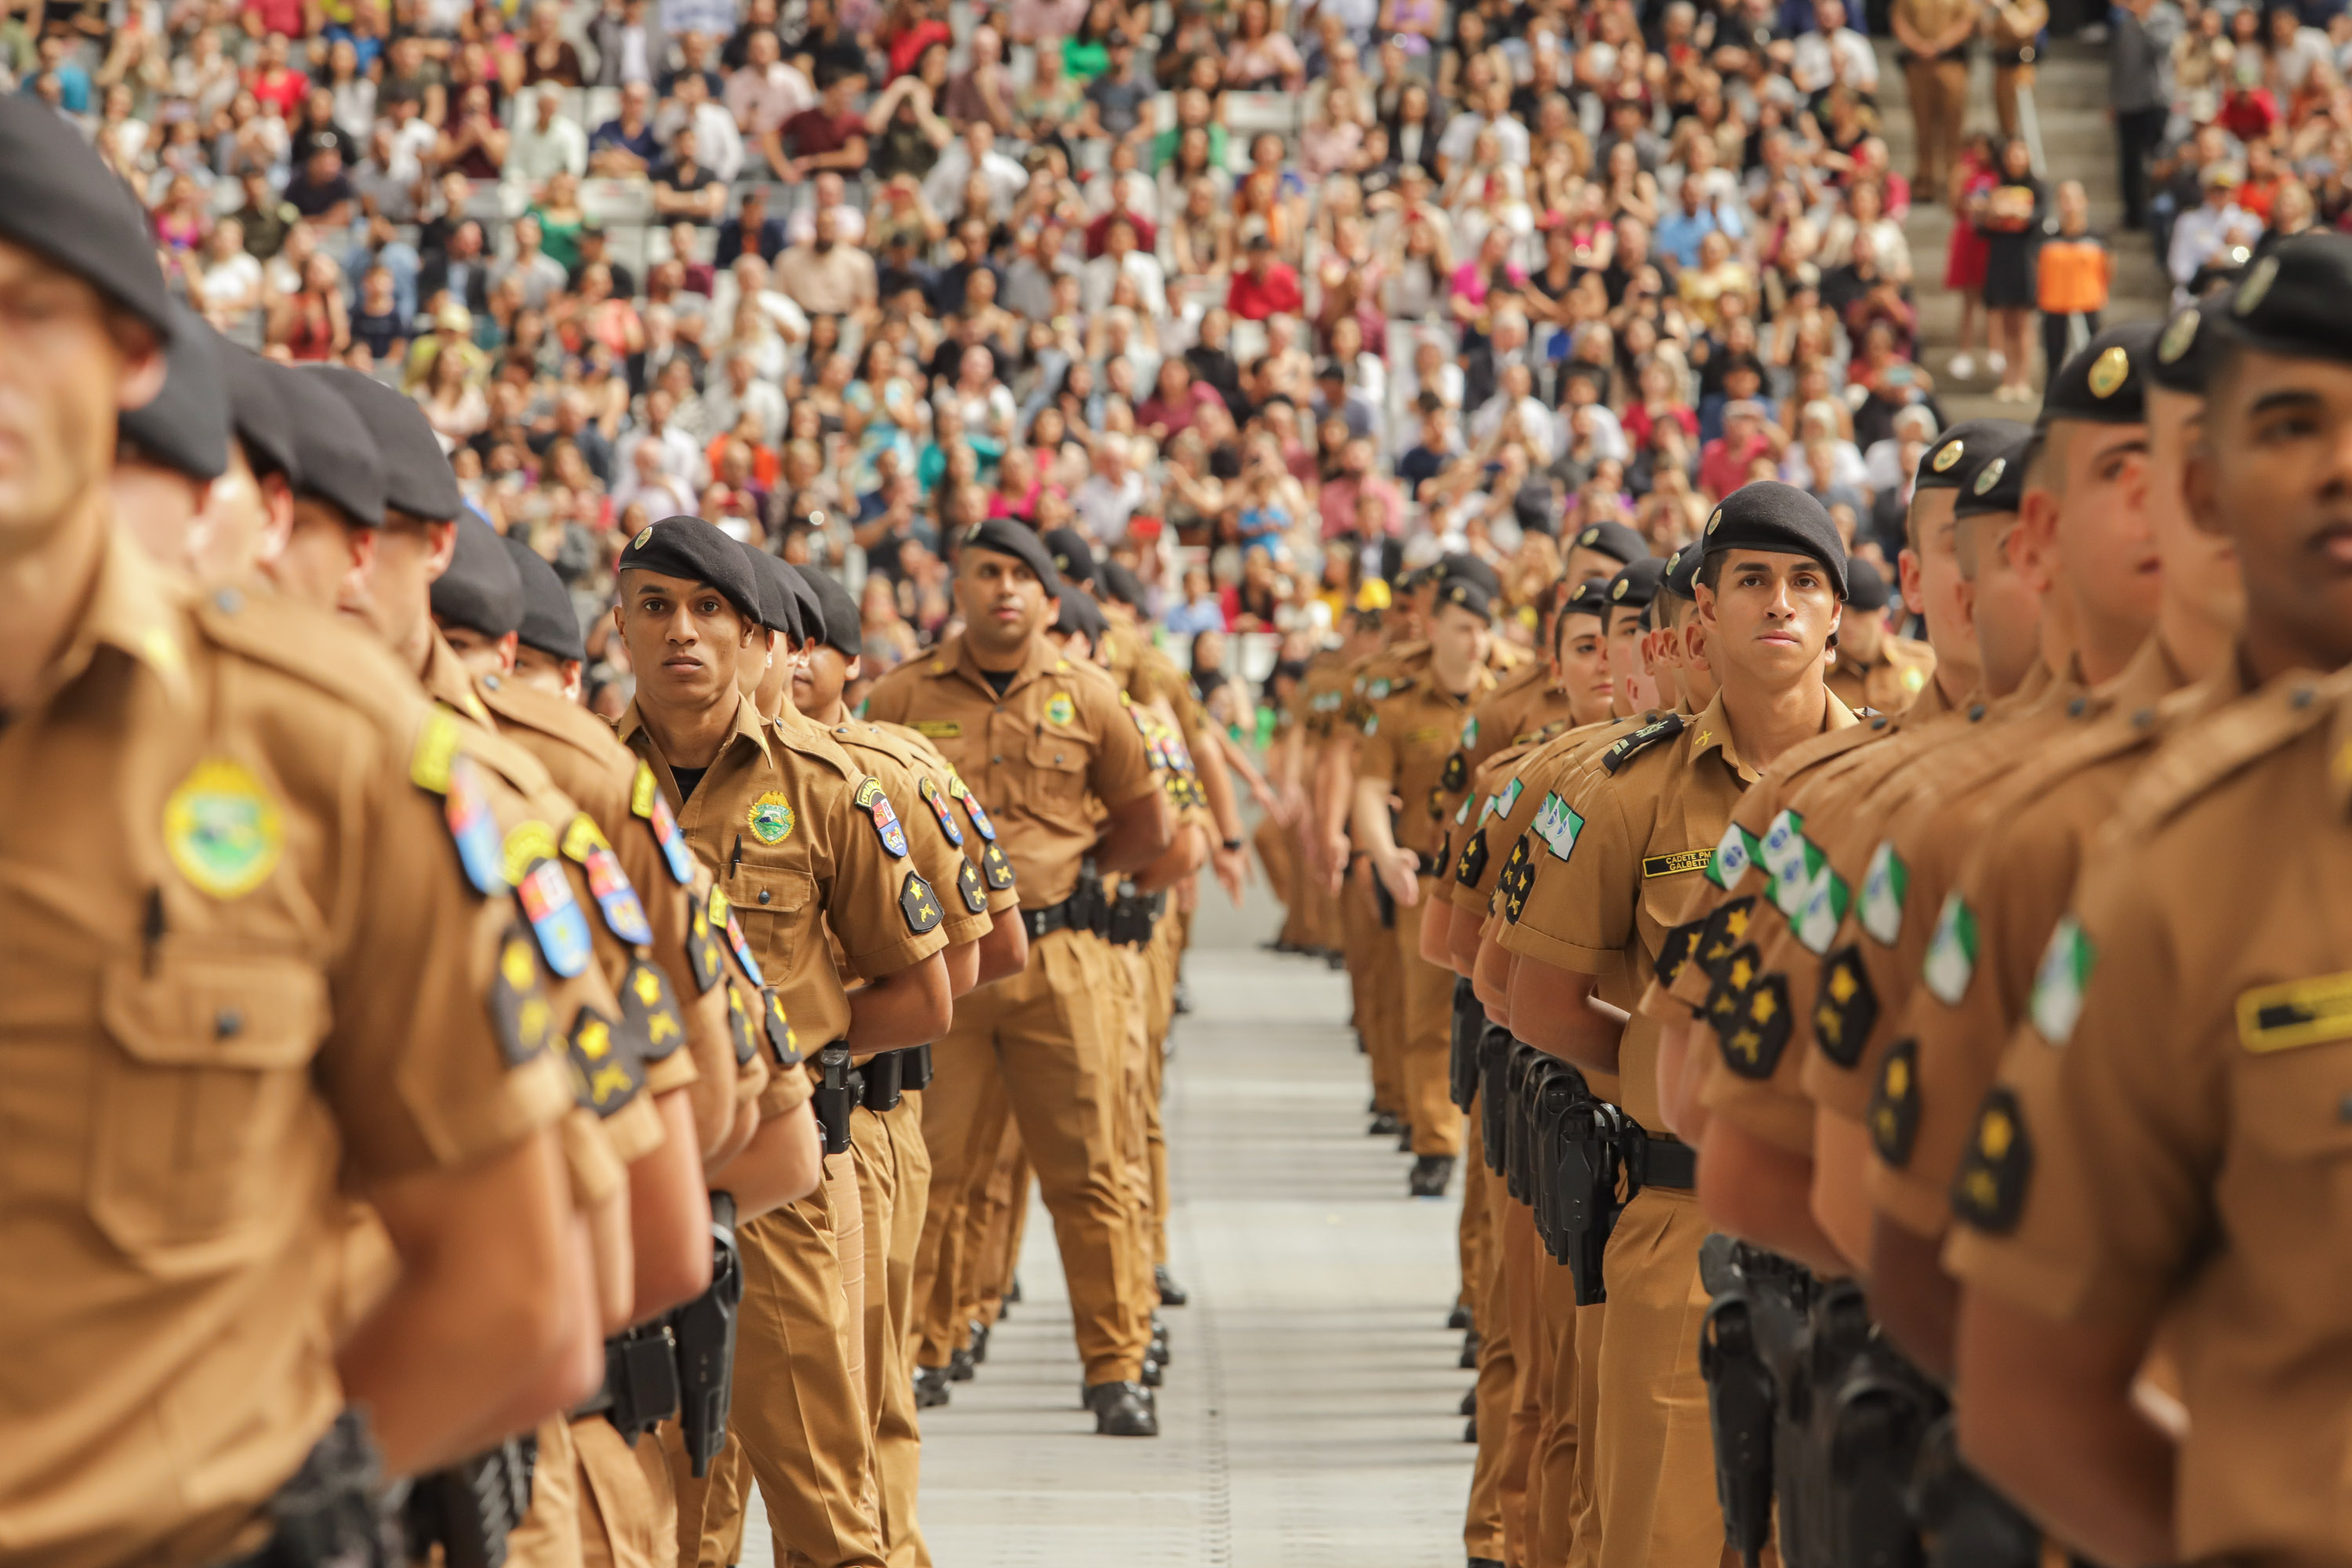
{"x": 2272, "y": 1018}
{"x": 605, "y": 1073}
{"x": 545, "y": 895}
{"x": 1725, "y": 929}
{"x": 1894, "y": 1113}
{"x": 724, "y": 922}
{"x": 1759, "y": 1031}
{"x": 649, "y": 1012}
{"x": 645, "y": 800}
{"x": 624, "y": 916}
{"x": 1517, "y": 879}
{"x": 782, "y": 1044}
{"x": 1472, "y": 863}
{"x": 741, "y": 1026}
{"x": 1731, "y": 986}
{"x": 1557, "y": 824}
{"x": 917, "y": 902}
{"x": 968, "y": 886}
{"x": 1641, "y": 740}
{"x": 874, "y": 801}
{"x": 520, "y": 1013}
{"x": 1990, "y": 1191}
{"x": 702, "y": 947}
{"x": 1847, "y": 1008}
{"x": 1456, "y": 775}
{"x": 938, "y": 805}
{"x": 1676, "y": 950}
{"x": 959, "y": 792}
{"x": 995, "y": 867}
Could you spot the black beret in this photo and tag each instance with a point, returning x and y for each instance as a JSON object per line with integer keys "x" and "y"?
{"x": 2291, "y": 301}
{"x": 549, "y": 622}
{"x": 1682, "y": 571}
{"x": 1074, "y": 558}
{"x": 808, "y": 610}
{"x": 698, "y": 552}
{"x": 1587, "y": 598}
{"x": 417, "y": 478}
{"x": 844, "y": 625}
{"x": 1467, "y": 593}
{"x": 1769, "y": 515}
{"x": 779, "y": 609}
{"x": 1461, "y": 564}
{"x": 1007, "y": 537}
{"x": 257, "y": 413}
{"x": 58, "y": 199}
{"x": 2185, "y": 351}
{"x": 2106, "y": 382}
{"x": 482, "y": 590}
{"x": 1613, "y": 540}
{"x": 184, "y": 427}
{"x": 1080, "y": 613}
{"x": 1865, "y": 585}
{"x": 1940, "y": 465}
{"x": 335, "y": 457}
{"x": 1994, "y": 476}
{"x": 1636, "y": 584}
{"x": 1117, "y": 583}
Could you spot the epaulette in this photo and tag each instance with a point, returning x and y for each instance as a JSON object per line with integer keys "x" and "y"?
{"x": 2204, "y": 753}
{"x": 1640, "y": 741}
{"x": 1535, "y": 737}
{"x": 549, "y": 715}
{"x": 829, "y": 751}
{"x": 311, "y": 645}
{"x": 1815, "y": 750}
{"x": 1509, "y": 658}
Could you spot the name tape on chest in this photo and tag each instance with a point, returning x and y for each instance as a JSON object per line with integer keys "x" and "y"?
{"x": 939, "y": 729}
{"x": 1676, "y": 864}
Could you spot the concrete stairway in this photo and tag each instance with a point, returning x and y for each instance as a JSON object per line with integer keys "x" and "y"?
{"x": 2077, "y": 144}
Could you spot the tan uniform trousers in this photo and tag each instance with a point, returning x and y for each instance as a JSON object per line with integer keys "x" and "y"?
{"x": 1277, "y": 852}
{"x": 797, "y": 1423}
{"x": 1371, "y": 982}
{"x": 596, "y": 1501}
{"x": 2008, "y": 81}
{"x": 1000, "y": 1221}
{"x": 1041, "y": 1033}
{"x": 1472, "y": 1237}
{"x": 1939, "y": 106}
{"x": 1425, "y": 1042}
{"x": 1654, "y": 1464}
{"x": 1562, "y": 1521}
{"x": 894, "y": 1178}
{"x": 1128, "y": 1015}
{"x": 959, "y": 1285}
{"x": 1533, "y": 1343}
{"x": 1165, "y": 957}
{"x": 1482, "y": 1526}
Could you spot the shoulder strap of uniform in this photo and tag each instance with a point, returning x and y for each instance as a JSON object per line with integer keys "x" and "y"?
{"x": 2200, "y": 754}
{"x": 1640, "y": 741}
{"x": 308, "y": 643}
{"x": 549, "y": 715}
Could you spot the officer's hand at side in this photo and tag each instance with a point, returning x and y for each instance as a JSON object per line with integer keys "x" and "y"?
{"x": 1399, "y": 872}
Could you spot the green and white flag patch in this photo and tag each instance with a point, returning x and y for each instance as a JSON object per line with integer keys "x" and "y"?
{"x": 1823, "y": 913}
{"x": 1734, "y": 853}
{"x": 1951, "y": 951}
{"x": 1883, "y": 888}
{"x": 1781, "y": 853}
{"x": 2058, "y": 984}
{"x": 1557, "y": 824}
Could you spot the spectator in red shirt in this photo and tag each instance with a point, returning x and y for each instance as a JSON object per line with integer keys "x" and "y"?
{"x": 1263, "y": 287}
{"x": 273, "y": 81}
{"x": 1724, "y": 462}
{"x": 261, "y": 18}
{"x": 830, "y": 136}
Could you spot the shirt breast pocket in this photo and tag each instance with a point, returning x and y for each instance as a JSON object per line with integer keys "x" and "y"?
{"x": 1056, "y": 776}
{"x": 207, "y": 1107}
{"x": 776, "y": 905}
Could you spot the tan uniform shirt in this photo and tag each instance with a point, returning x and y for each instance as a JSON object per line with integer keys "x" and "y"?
{"x": 241, "y": 963}
{"x": 801, "y": 841}
{"x": 971, "y": 815}
{"x": 1890, "y": 683}
{"x": 911, "y": 772}
{"x": 2168, "y": 1137}
{"x": 1502, "y": 803}
{"x": 1041, "y": 754}
{"x": 1412, "y": 744}
{"x": 1621, "y": 866}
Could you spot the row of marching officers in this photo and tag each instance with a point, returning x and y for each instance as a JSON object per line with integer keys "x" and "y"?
{"x": 1905, "y": 1121}
{"x": 441, "y": 1123}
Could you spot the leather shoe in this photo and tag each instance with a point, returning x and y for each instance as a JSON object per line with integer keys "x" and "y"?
{"x": 931, "y": 1387}
{"x": 1459, "y": 1319}
{"x": 1469, "y": 1362}
{"x": 978, "y": 1341}
{"x": 960, "y": 1366}
{"x": 1171, "y": 1293}
{"x": 1122, "y": 1410}
{"x": 1470, "y": 1432}
{"x": 1469, "y": 1402}
{"x": 1384, "y": 1124}
{"x": 1011, "y": 1292}
{"x": 1154, "y": 1372}
{"x": 1430, "y": 1174}
{"x": 1404, "y": 1137}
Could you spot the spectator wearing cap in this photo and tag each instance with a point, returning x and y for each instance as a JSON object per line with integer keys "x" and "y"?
{"x": 2213, "y": 225}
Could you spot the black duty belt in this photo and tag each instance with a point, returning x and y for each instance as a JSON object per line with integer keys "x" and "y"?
{"x": 881, "y": 1078}
{"x": 641, "y": 1384}
{"x": 1087, "y": 908}
{"x": 1664, "y": 1160}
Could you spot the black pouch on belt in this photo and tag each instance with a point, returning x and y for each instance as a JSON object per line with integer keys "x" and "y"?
{"x": 704, "y": 1330}
{"x": 884, "y": 1077}
{"x": 835, "y": 1097}
{"x": 1462, "y": 1062}
{"x": 335, "y": 1509}
{"x": 914, "y": 1076}
{"x": 470, "y": 1509}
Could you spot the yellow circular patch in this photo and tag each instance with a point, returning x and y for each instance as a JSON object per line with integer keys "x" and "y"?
{"x": 1060, "y": 709}
{"x": 771, "y": 818}
{"x": 222, "y": 830}
{"x": 2109, "y": 371}
{"x": 1948, "y": 454}
{"x": 1715, "y": 522}
{"x": 1991, "y": 474}
{"x": 643, "y": 534}
{"x": 2177, "y": 337}
{"x": 2256, "y": 286}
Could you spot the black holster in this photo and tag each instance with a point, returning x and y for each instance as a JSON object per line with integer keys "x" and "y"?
{"x": 1090, "y": 901}
{"x": 915, "y": 1074}
{"x": 1384, "y": 902}
{"x": 334, "y": 1511}
{"x": 1595, "y": 1186}
{"x": 470, "y": 1509}
{"x": 1495, "y": 1049}
{"x": 704, "y": 1331}
{"x": 1133, "y": 917}
{"x": 641, "y": 1381}
{"x": 1967, "y": 1524}
{"x": 1462, "y": 1058}
{"x": 1878, "y": 1414}
{"x": 1741, "y": 1402}
{"x": 836, "y": 1096}
{"x": 885, "y": 1077}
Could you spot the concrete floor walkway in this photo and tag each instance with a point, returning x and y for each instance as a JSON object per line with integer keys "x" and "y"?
{"x": 1308, "y": 1417}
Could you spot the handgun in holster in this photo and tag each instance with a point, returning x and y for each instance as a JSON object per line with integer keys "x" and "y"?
{"x": 838, "y": 1090}
{"x": 1494, "y": 1048}
{"x": 469, "y": 1509}
{"x": 1134, "y": 916}
{"x": 335, "y": 1511}
{"x": 1741, "y": 1406}
{"x": 704, "y": 1332}
{"x": 1518, "y": 1163}
{"x": 640, "y": 1383}
{"x": 1558, "y": 1097}
{"x": 1090, "y": 901}
{"x": 1595, "y": 1186}
{"x": 1461, "y": 1055}
{"x": 1966, "y": 1522}
{"x": 1878, "y": 1413}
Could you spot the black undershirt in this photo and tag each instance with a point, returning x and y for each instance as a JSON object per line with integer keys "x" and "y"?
{"x": 687, "y": 779}
{"x": 999, "y": 680}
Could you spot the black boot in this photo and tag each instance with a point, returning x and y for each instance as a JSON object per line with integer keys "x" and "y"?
{"x": 1469, "y": 1402}
{"x": 1012, "y": 1293}
{"x": 1430, "y": 1174}
{"x": 1171, "y": 1293}
{"x": 960, "y": 1366}
{"x": 931, "y": 1387}
{"x": 1469, "y": 1362}
{"x": 1384, "y": 1124}
{"x": 1459, "y": 1319}
{"x": 1404, "y": 1137}
{"x": 978, "y": 1341}
{"x": 1470, "y": 1432}
{"x": 1158, "y": 1350}
{"x": 1154, "y": 1372}
{"x": 1122, "y": 1410}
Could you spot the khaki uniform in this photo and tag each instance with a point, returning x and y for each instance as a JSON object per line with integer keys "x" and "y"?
{"x": 1366, "y": 942}
{"x": 1048, "y": 753}
{"x": 1617, "y": 868}
{"x": 805, "y": 847}
{"x": 2030, "y": 838}
{"x": 241, "y": 962}
{"x": 1410, "y": 741}
{"x": 2012, "y": 27}
{"x": 1939, "y": 92}
{"x": 1888, "y": 684}
{"x": 2168, "y": 1131}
